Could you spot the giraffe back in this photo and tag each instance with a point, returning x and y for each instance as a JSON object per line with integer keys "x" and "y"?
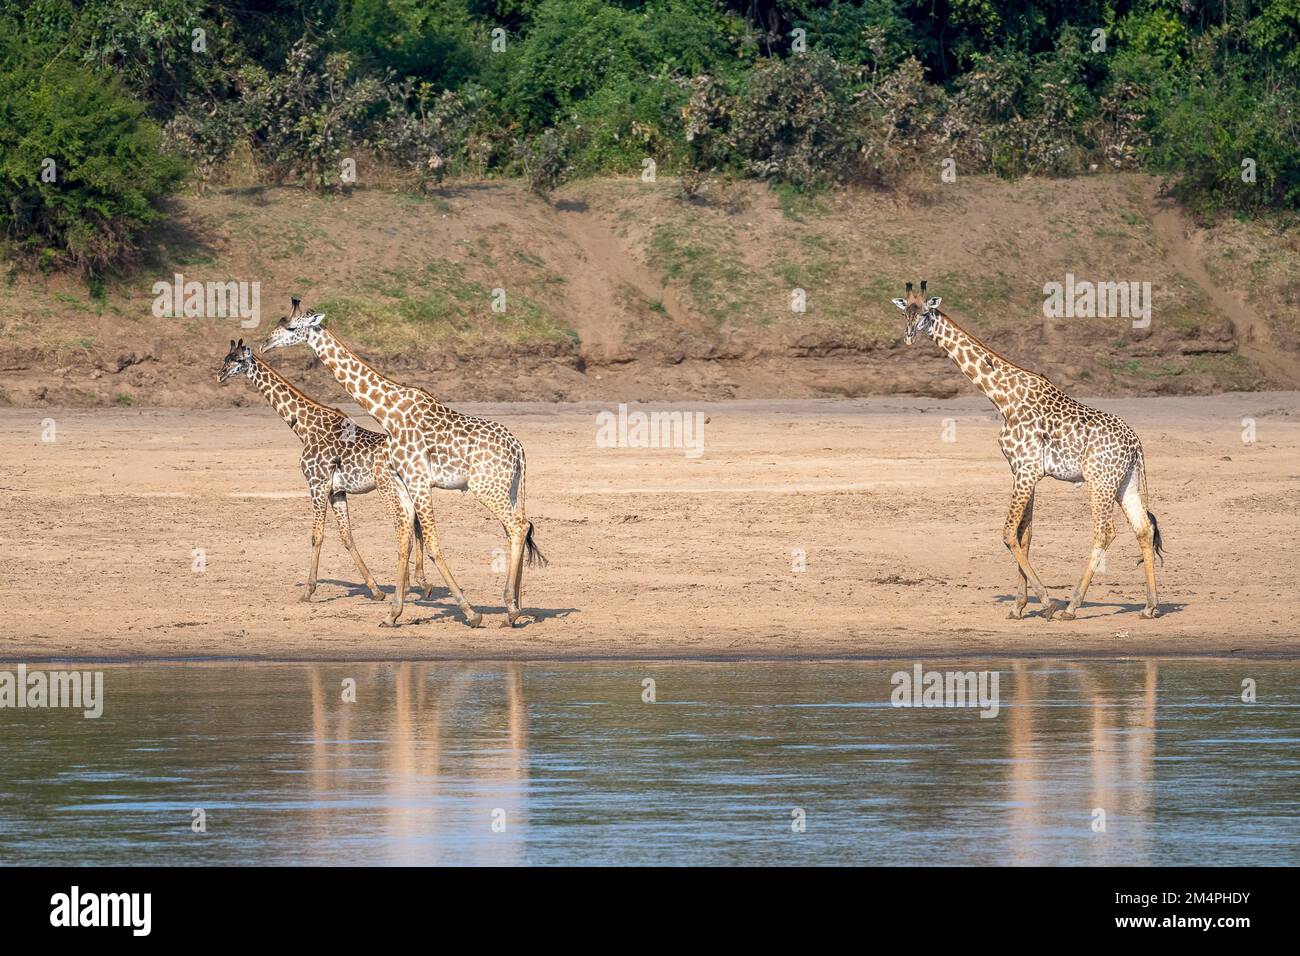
{"x": 462, "y": 451}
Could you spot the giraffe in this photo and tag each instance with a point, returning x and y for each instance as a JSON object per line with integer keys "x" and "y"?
{"x": 1045, "y": 433}
{"x": 430, "y": 446}
{"x": 338, "y": 459}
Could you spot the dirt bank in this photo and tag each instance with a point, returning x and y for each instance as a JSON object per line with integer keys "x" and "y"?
{"x": 622, "y": 291}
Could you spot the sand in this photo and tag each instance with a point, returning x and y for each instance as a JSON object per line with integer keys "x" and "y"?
{"x": 147, "y": 534}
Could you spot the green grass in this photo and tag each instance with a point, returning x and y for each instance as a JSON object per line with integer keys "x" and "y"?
{"x": 420, "y": 309}
{"x": 796, "y": 203}
{"x": 73, "y": 301}
{"x": 426, "y": 199}
{"x": 707, "y": 262}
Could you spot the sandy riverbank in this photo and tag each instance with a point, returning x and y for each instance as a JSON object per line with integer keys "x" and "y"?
{"x": 653, "y": 554}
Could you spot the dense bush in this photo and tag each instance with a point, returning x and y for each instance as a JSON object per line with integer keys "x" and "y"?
{"x": 1230, "y": 110}
{"x": 109, "y": 172}
{"x": 547, "y": 159}
{"x": 436, "y": 41}
{"x": 433, "y": 133}
{"x": 800, "y": 121}
{"x": 307, "y": 117}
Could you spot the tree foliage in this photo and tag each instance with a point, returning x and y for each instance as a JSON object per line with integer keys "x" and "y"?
{"x": 804, "y": 92}
{"x": 82, "y": 169}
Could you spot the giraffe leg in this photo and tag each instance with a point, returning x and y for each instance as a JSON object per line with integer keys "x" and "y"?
{"x": 1103, "y": 533}
{"x": 318, "y": 503}
{"x": 1026, "y": 534}
{"x": 421, "y": 494}
{"x": 1021, "y": 495}
{"x": 403, "y": 564}
{"x": 398, "y": 504}
{"x": 402, "y": 511}
{"x": 339, "y": 502}
{"x": 1135, "y": 509}
{"x": 421, "y": 582}
{"x": 507, "y": 509}
{"x": 514, "y": 579}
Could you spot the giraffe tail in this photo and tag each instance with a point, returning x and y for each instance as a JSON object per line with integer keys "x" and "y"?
{"x": 534, "y": 553}
{"x": 1157, "y": 542}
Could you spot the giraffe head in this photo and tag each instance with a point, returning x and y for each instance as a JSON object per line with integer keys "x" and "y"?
{"x": 294, "y": 328}
{"x": 239, "y": 361}
{"x": 922, "y": 313}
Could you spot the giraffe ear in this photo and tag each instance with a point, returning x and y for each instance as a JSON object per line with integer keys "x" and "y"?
{"x": 933, "y": 302}
{"x": 901, "y": 303}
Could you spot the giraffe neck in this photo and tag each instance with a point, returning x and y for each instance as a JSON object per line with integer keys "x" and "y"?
{"x": 289, "y": 403}
{"x": 372, "y": 391}
{"x": 991, "y": 373}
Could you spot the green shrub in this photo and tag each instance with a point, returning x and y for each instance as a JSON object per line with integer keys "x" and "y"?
{"x": 301, "y": 121}
{"x": 110, "y": 171}
{"x": 428, "y": 132}
{"x": 574, "y": 47}
{"x": 309, "y": 116}
{"x": 799, "y": 121}
{"x": 876, "y": 32}
{"x": 625, "y": 122}
{"x": 430, "y": 40}
{"x": 547, "y": 159}
{"x": 1228, "y": 110}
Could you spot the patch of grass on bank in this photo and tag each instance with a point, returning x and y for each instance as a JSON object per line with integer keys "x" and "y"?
{"x": 418, "y": 310}
{"x": 706, "y": 260}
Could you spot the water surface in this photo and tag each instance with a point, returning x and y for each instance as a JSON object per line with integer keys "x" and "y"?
{"x": 565, "y": 763}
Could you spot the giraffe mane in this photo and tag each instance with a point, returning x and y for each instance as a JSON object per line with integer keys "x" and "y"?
{"x": 980, "y": 342}
{"x": 270, "y": 370}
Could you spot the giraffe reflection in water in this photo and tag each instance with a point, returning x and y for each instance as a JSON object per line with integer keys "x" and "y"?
{"x": 426, "y": 773}
{"x": 1115, "y": 761}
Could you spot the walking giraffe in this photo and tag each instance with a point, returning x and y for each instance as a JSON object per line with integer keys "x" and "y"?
{"x": 338, "y": 459}
{"x": 1047, "y": 433}
{"x": 430, "y": 446}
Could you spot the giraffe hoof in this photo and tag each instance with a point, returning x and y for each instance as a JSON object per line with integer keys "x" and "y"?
{"x": 376, "y": 594}
{"x": 388, "y": 622}
{"x": 1150, "y": 612}
{"x": 1016, "y": 613}
{"x": 1065, "y": 616}
{"x": 306, "y": 597}
{"x": 475, "y": 621}
{"x": 1048, "y": 610}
